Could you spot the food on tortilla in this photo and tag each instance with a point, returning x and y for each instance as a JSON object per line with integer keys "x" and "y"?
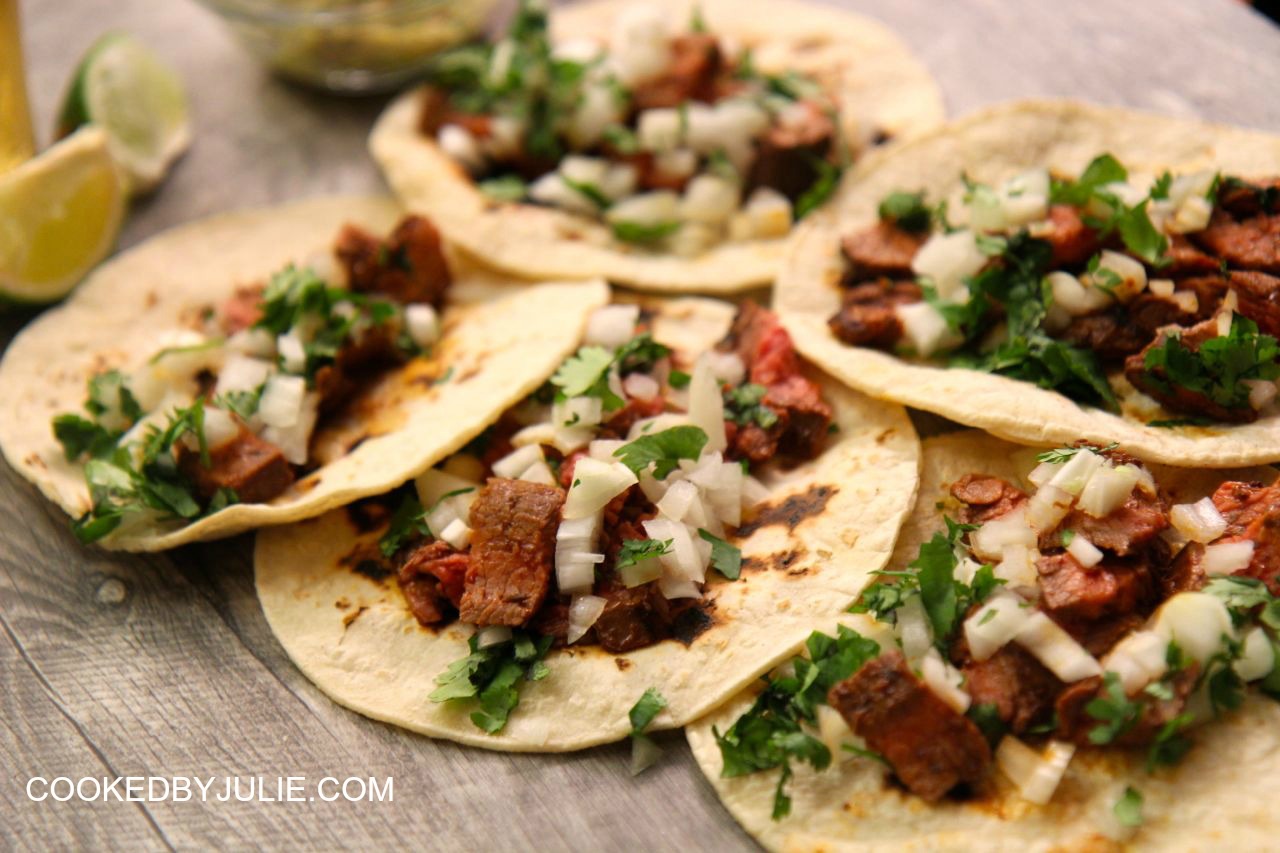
{"x": 223, "y": 394}
{"x": 1040, "y": 631}
{"x": 1138, "y": 284}
{"x": 653, "y": 132}
{"x": 650, "y": 518}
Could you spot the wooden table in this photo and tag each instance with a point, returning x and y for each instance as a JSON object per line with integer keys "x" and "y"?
{"x": 118, "y": 666}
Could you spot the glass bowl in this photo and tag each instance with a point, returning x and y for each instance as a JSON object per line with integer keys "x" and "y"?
{"x": 352, "y": 46}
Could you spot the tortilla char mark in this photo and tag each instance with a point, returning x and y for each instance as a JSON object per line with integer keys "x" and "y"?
{"x": 791, "y": 511}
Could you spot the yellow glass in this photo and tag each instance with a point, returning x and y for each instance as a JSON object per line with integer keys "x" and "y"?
{"x": 17, "y": 142}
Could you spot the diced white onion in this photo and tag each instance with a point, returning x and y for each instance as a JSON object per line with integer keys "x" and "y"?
{"x": 913, "y": 629}
{"x": 706, "y": 406}
{"x": 641, "y": 386}
{"x": 612, "y": 326}
{"x": 1107, "y": 490}
{"x": 255, "y": 342}
{"x": 1162, "y": 287}
{"x": 767, "y": 214}
{"x": 578, "y": 412}
{"x": 433, "y": 484}
{"x": 457, "y": 534}
{"x": 1197, "y": 622}
{"x": 709, "y": 199}
{"x": 651, "y": 208}
{"x": 583, "y": 613}
{"x": 1199, "y": 521}
{"x": 638, "y": 44}
{"x": 1226, "y": 558}
{"x": 575, "y": 560}
{"x": 641, "y": 572}
{"x": 726, "y": 367}
{"x": 673, "y": 587}
{"x": 517, "y": 461}
{"x": 682, "y": 559}
{"x": 539, "y": 472}
{"x": 242, "y": 373}
{"x": 595, "y": 483}
{"x": 422, "y": 323}
{"x": 282, "y": 400}
{"x": 552, "y": 189}
{"x": 604, "y": 448}
{"x": 1261, "y": 392}
{"x": 753, "y": 492}
{"x": 658, "y": 129}
{"x": 1074, "y": 474}
{"x": 1036, "y": 775}
{"x": 619, "y": 182}
{"x": 1084, "y": 551}
{"x": 1017, "y": 566}
{"x": 458, "y": 143}
{"x": 679, "y": 498}
{"x": 834, "y": 731}
{"x": 1042, "y": 474}
{"x": 1192, "y": 215}
{"x": 1138, "y": 659}
{"x": 220, "y": 427}
{"x": 1012, "y": 528}
{"x": 1131, "y": 273}
{"x": 925, "y": 328}
{"x": 947, "y": 259}
{"x": 492, "y": 635}
{"x": 1257, "y": 655}
{"x": 1056, "y": 649}
{"x": 944, "y": 680}
{"x": 293, "y": 355}
{"x": 994, "y": 624}
{"x": 1047, "y": 507}
{"x": 678, "y": 163}
{"x": 293, "y": 440}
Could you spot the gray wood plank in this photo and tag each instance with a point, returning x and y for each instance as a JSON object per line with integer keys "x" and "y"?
{"x": 118, "y": 665}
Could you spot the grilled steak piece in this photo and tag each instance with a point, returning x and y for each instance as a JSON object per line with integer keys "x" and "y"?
{"x": 691, "y": 75}
{"x": 1251, "y": 243}
{"x": 1259, "y": 297}
{"x": 770, "y": 357}
{"x": 241, "y": 309}
{"x": 1124, "y": 531}
{"x": 883, "y": 250}
{"x": 1186, "y": 259}
{"x": 1177, "y": 398}
{"x": 1075, "y": 723}
{"x": 432, "y": 577}
{"x": 1073, "y": 242}
{"x": 1186, "y": 573}
{"x": 1018, "y": 685}
{"x": 1253, "y": 512}
{"x": 867, "y": 317}
{"x": 632, "y": 618}
{"x": 985, "y": 498}
{"x": 254, "y": 469}
{"x": 930, "y": 747}
{"x": 789, "y": 154}
{"x": 513, "y": 548}
{"x": 1106, "y": 335}
{"x": 1112, "y": 588}
{"x": 409, "y": 266}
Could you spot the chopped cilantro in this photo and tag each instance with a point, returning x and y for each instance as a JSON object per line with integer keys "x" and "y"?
{"x": 1128, "y": 809}
{"x": 986, "y": 716}
{"x": 1160, "y": 189}
{"x": 242, "y": 403}
{"x": 586, "y": 373}
{"x": 640, "y": 353}
{"x": 1220, "y": 366}
{"x": 650, "y": 703}
{"x": 406, "y": 522}
{"x": 772, "y": 732}
{"x": 1103, "y": 170}
{"x": 80, "y": 437}
{"x": 638, "y": 232}
{"x": 663, "y": 450}
{"x": 491, "y": 676}
{"x": 821, "y": 190}
{"x": 725, "y": 557}
{"x": 504, "y": 188}
{"x": 863, "y": 752}
{"x": 1115, "y": 712}
{"x": 743, "y": 405}
{"x": 108, "y": 392}
{"x": 621, "y": 139}
{"x": 591, "y": 192}
{"x": 678, "y": 379}
{"x": 1061, "y": 455}
{"x": 906, "y": 210}
{"x": 635, "y": 550}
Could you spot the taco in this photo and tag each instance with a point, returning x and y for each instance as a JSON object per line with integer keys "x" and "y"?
{"x": 668, "y": 145}
{"x": 249, "y": 370}
{"x": 1070, "y": 650}
{"x": 651, "y": 523}
{"x": 1050, "y": 272}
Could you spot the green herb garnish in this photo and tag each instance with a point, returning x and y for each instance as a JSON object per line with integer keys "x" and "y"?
{"x": 491, "y": 676}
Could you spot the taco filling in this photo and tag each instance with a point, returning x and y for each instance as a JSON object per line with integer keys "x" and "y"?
{"x": 225, "y": 413}
{"x": 1087, "y": 614}
{"x": 594, "y": 512}
{"x": 673, "y": 139}
{"x": 1083, "y": 284}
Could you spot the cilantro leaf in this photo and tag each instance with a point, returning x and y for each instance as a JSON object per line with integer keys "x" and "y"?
{"x": 744, "y": 405}
{"x": 679, "y": 379}
{"x": 726, "y": 558}
{"x": 585, "y": 373}
{"x": 1141, "y": 237}
{"x": 1061, "y": 455}
{"x": 644, "y": 233}
{"x": 646, "y": 708}
{"x": 1128, "y": 809}
{"x": 504, "y": 188}
{"x": 1220, "y": 366}
{"x": 1104, "y": 169}
{"x": 406, "y": 522}
{"x": 635, "y": 550}
{"x": 640, "y": 353}
{"x": 906, "y": 210}
{"x": 80, "y": 437}
{"x": 824, "y": 186}
{"x": 491, "y": 676}
{"x": 1115, "y": 712}
{"x": 663, "y": 450}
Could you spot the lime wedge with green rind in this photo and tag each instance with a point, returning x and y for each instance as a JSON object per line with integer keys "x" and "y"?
{"x": 123, "y": 87}
{"x": 60, "y": 213}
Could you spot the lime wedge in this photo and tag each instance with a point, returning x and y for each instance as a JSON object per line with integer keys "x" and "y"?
{"x": 126, "y": 89}
{"x": 59, "y": 215}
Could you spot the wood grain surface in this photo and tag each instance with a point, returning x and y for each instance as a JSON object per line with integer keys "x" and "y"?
{"x": 113, "y": 665}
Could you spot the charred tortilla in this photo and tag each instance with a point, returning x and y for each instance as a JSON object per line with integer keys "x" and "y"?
{"x": 490, "y": 353}
{"x": 804, "y": 552}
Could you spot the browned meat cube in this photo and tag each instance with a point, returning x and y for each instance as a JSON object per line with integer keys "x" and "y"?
{"x": 691, "y": 75}
{"x": 1073, "y": 242}
{"x": 1259, "y": 296}
{"x": 985, "y": 498}
{"x": 1106, "y": 335}
{"x": 432, "y": 578}
{"x": 1124, "y": 531}
{"x": 409, "y": 266}
{"x": 632, "y": 618}
{"x": 1253, "y": 512}
{"x": 254, "y": 469}
{"x": 788, "y": 156}
{"x": 930, "y": 747}
{"x": 884, "y": 249}
{"x": 1075, "y": 723}
{"x": 513, "y": 549}
{"x": 867, "y": 317}
{"x": 1186, "y": 259}
{"x": 1113, "y": 587}
{"x": 241, "y": 310}
{"x": 1177, "y": 398}
{"x": 1251, "y": 244}
{"x": 1018, "y": 685}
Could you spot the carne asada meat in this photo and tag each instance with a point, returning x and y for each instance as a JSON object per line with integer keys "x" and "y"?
{"x": 1071, "y": 592}
{"x": 867, "y": 317}
{"x": 1179, "y": 398}
{"x": 930, "y": 747}
{"x": 1249, "y": 198}
{"x": 769, "y": 355}
{"x": 432, "y": 577}
{"x": 371, "y": 350}
{"x": 789, "y": 154}
{"x": 1108, "y": 336}
{"x": 985, "y": 498}
{"x": 409, "y": 266}
{"x": 632, "y": 618}
{"x": 1075, "y": 722}
{"x": 1148, "y": 313}
{"x": 883, "y": 250}
{"x": 241, "y": 310}
{"x": 1252, "y": 512}
{"x": 513, "y": 548}
{"x": 1186, "y": 574}
{"x": 1252, "y": 243}
{"x": 1186, "y": 259}
{"x": 254, "y": 469}
{"x": 1126, "y": 529}
{"x": 691, "y": 75}
{"x": 1072, "y": 240}
{"x": 1259, "y": 299}
{"x": 1016, "y": 684}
